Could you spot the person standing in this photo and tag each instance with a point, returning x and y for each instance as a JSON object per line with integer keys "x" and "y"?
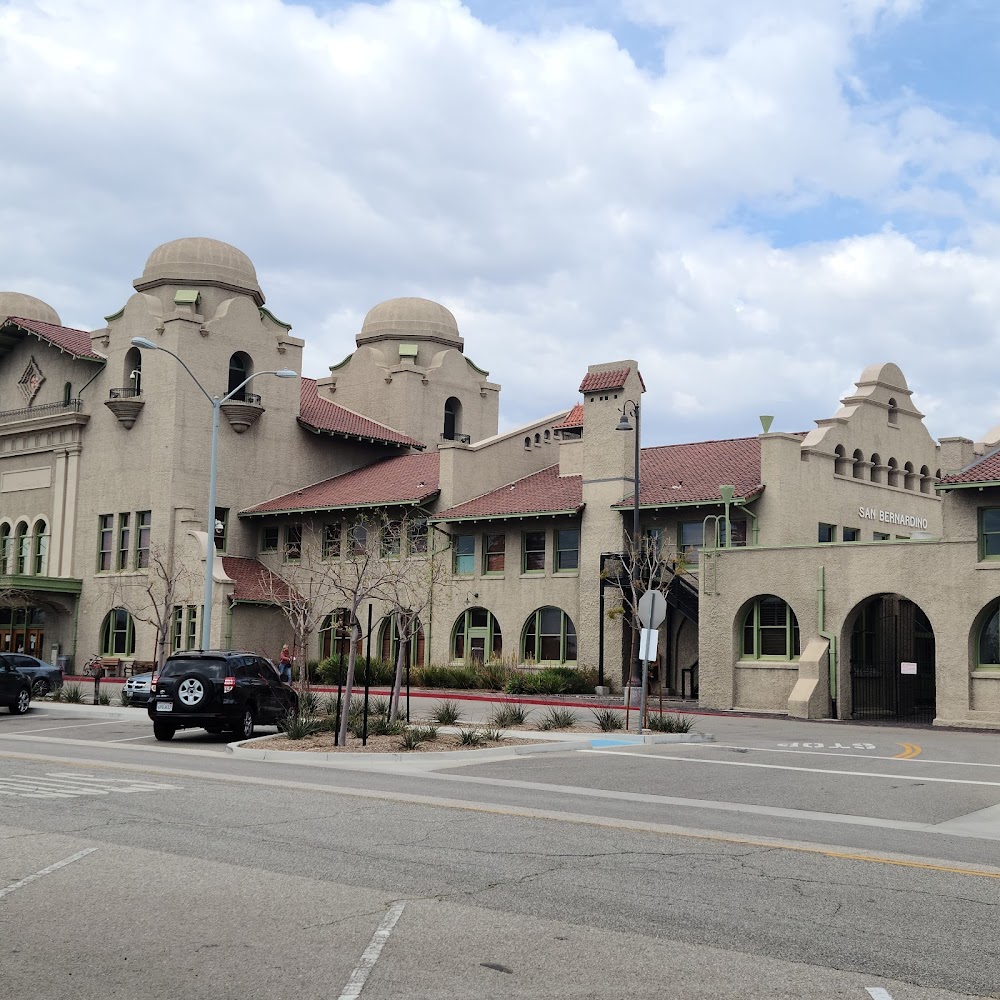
{"x": 285, "y": 664}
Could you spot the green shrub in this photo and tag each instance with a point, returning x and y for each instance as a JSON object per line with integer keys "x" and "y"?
{"x": 494, "y": 675}
{"x": 459, "y": 678}
{"x": 446, "y": 713}
{"x": 378, "y": 706}
{"x": 558, "y": 718}
{"x": 123, "y": 698}
{"x": 551, "y": 680}
{"x": 379, "y": 725}
{"x": 608, "y": 719}
{"x": 308, "y": 703}
{"x": 297, "y": 726}
{"x": 72, "y": 694}
{"x": 411, "y": 739}
{"x": 667, "y": 723}
{"x": 507, "y": 715}
{"x": 492, "y": 735}
{"x": 470, "y": 738}
{"x": 103, "y": 698}
{"x": 334, "y": 671}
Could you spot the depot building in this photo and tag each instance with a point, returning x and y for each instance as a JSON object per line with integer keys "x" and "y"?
{"x": 841, "y": 572}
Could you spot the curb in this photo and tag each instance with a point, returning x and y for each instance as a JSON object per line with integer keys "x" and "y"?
{"x": 556, "y": 743}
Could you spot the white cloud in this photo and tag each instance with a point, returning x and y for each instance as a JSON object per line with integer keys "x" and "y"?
{"x": 567, "y": 205}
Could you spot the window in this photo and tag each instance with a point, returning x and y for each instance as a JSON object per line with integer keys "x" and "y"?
{"x": 335, "y": 636}
{"x": 4, "y": 548}
{"x": 910, "y": 477}
{"x": 989, "y": 641}
{"x": 893, "y": 412}
{"x": 221, "y": 528}
{"x": 240, "y": 369}
{"x": 893, "y": 468}
{"x": 390, "y": 539}
{"x": 464, "y": 555}
{"x": 989, "y": 533}
{"x": 22, "y": 549}
{"x": 494, "y": 551}
{"x": 827, "y": 532}
{"x": 192, "y": 627}
{"x": 851, "y": 534}
{"x": 770, "y": 631}
{"x": 476, "y": 637}
{"x": 331, "y": 540}
{"x": 880, "y": 536}
{"x": 269, "y": 538}
{"x": 533, "y": 552}
{"x": 416, "y": 531}
{"x": 452, "y": 418}
{"x": 293, "y": 542}
{"x": 690, "y": 539}
{"x": 737, "y": 533}
{"x": 389, "y": 641}
{"x": 117, "y": 633}
{"x": 40, "y": 548}
{"x": 143, "y": 525}
{"x": 67, "y": 393}
{"x": 858, "y": 464}
{"x": 652, "y": 540}
{"x": 177, "y": 628}
{"x": 567, "y": 549}
{"x": 124, "y": 540}
{"x": 926, "y": 480}
{"x": 105, "y": 541}
{"x": 358, "y": 537}
{"x": 549, "y": 637}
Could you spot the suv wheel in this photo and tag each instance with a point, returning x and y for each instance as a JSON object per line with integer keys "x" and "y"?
{"x": 247, "y": 723}
{"x": 163, "y": 731}
{"x": 20, "y": 706}
{"x": 194, "y": 691}
{"x": 41, "y": 687}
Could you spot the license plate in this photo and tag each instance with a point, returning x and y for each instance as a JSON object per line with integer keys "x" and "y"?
{"x": 164, "y": 706}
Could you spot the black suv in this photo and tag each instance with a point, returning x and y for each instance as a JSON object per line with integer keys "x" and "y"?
{"x": 217, "y": 690}
{"x": 15, "y": 687}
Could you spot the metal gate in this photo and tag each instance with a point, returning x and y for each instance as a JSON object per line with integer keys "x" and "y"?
{"x": 890, "y": 634}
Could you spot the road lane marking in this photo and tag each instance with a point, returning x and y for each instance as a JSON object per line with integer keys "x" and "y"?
{"x": 788, "y": 767}
{"x": 826, "y": 753}
{"x": 526, "y": 812}
{"x": 59, "y": 786}
{"x": 52, "y": 729}
{"x": 877, "y": 993}
{"x": 360, "y": 975}
{"x": 910, "y": 750}
{"x": 27, "y": 880}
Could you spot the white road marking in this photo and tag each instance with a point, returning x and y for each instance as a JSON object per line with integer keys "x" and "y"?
{"x": 130, "y": 739}
{"x": 877, "y": 993}
{"x": 859, "y": 756}
{"x": 78, "y": 725}
{"x": 68, "y": 786}
{"x": 360, "y": 975}
{"x": 787, "y": 767}
{"x": 14, "y": 886}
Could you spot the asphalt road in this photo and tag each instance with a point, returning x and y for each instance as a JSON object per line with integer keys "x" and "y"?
{"x": 785, "y": 860}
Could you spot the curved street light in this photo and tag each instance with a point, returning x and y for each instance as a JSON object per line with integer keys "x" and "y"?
{"x": 632, "y": 406}
{"x": 145, "y": 344}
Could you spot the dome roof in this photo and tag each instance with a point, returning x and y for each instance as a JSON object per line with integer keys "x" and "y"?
{"x": 419, "y": 319}
{"x": 197, "y": 260}
{"x": 27, "y": 307}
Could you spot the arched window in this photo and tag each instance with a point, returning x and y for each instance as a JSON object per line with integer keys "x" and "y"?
{"x": 925, "y": 479}
{"x": 909, "y": 477}
{"x": 988, "y": 657}
{"x": 4, "y": 549}
{"x": 770, "y": 630}
{"x": 858, "y": 465}
{"x": 893, "y": 412}
{"x": 240, "y": 369}
{"x": 117, "y": 633}
{"x": 893, "y": 472}
{"x": 527, "y": 444}
{"x": 549, "y": 636}
{"x": 538, "y": 440}
{"x": 67, "y": 393}
{"x": 388, "y": 641}
{"x": 40, "y": 546}
{"x": 840, "y": 460}
{"x": 877, "y": 470}
{"x": 548, "y": 436}
{"x": 476, "y": 637}
{"x": 452, "y": 418}
{"x": 133, "y": 370}
{"x": 335, "y": 635}
{"x": 22, "y": 549}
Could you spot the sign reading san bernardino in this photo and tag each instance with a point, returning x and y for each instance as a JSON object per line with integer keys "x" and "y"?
{"x": 891, "y": 517}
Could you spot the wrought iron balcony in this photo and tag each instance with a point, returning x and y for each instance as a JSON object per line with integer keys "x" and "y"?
{"x": 43, "y": 410}
{"x": 126, "y": 392}
{"x": 243, "y": 413}
{"x": 125, "y": 403}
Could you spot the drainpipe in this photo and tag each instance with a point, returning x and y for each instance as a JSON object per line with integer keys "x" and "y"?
{"x": 829, "y": 636}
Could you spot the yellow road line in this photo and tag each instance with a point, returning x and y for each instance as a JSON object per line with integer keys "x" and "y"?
{"x": 910, "y": 750}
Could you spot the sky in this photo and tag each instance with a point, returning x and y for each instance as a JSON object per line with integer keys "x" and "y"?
{"x": 753, "y": 198}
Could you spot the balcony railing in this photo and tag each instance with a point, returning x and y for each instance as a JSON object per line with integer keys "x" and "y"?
{"x": 126, "y": 392}
{"x": 248, "y": 397}
{"x": 44, "y": 410}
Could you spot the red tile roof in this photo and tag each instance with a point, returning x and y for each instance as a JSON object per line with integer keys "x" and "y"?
{"x": 595, "y": 381}
{"x": 544, "y": 492}
{"x": 321, "y": 415}
{"x": 255, "y": 582}
{"x": 406, "y": 479}
{"x": 572, "y": 419}
{"x": 983, "y": 470}
{"x": 75, "y": 342}
{"x": 688, "y": 473}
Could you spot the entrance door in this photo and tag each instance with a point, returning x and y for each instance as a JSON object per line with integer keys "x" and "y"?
{"x": 478, "y": 637}
{"x": 892, "y": 635}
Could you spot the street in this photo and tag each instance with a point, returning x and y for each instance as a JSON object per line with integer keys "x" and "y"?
{"x": 786, "y": 859}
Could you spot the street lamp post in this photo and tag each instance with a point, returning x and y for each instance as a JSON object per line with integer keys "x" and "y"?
{"x": 148, "y": 345}
{"x": 632, "y": 406}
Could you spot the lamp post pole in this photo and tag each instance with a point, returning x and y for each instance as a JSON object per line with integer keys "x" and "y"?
{"x": 632, "y": 406}
{"x": 216, "y": 403}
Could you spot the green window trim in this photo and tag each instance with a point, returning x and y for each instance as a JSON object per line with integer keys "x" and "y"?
{"x": 770, "y": 631}
{"x": 567, "y": 546}
{"x": 988, "y": 642}
{"x": 143, "y": 530}
{"x": 547, "y": 631}
{"x": 472, "y": 626}
{"x": 989, "y": 533}
{"x": 533, "y": 551}
{"x": 124, "y": 541}
{"x": 270, "y": 538}
{"x": 332, "y": 539}
{"x": 463, "y": 555}
{"x": 176, "y": 628}
{"x": 22, "y": 549}
{"x": 191, "y": 637}
{"x": 39, "y": 548}
{"x": 826, "y": 533}
{"x": 105, "y": 542}
{"x": 391, "y": 540}
{"x": 117, "y": 633}
{"x": 851, "y": 534}
{"x": 292, "y": 549}
{"x": 416, "y": 536}
{"x": 494, "y": 553}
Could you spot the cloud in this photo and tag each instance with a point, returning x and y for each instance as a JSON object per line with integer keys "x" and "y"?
{"x": 569, "y": 205}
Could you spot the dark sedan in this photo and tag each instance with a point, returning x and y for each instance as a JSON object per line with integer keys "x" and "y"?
{"x": 43, "y": 676}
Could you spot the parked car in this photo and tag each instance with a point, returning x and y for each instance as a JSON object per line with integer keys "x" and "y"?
{"x": 138, "y": 688}
{"x": 15, "y": 687}
{"x": 217, "y": 690}
{"x": 43, "y": 676}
